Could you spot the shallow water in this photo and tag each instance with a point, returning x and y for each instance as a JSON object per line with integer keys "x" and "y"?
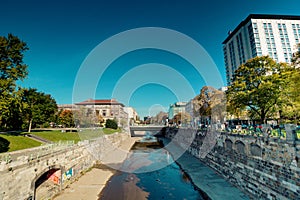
{"x": 146, "y": 182}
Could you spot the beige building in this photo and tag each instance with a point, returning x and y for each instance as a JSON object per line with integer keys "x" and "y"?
{"x": 132, "y": 115}
{"x": 91, "y": 111}
{"x": 107, "y": 108}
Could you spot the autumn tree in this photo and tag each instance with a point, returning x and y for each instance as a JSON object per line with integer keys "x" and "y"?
{"x": 160, "y": 118}
{"x": 181, "y": 118}
{"x": 257, "y": 86}
{"x": 66, "y": 118}
{"x": 211, "y": 104}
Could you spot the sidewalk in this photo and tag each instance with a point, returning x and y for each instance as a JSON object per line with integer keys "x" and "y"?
{"x": 206, "y": 179}
{"x": 89, "y": 186}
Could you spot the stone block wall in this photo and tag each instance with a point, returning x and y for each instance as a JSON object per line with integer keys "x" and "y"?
{"x": 20, "y": 170}
{"x": 265, "y": 168}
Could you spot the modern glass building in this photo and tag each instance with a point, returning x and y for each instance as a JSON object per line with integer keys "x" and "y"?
{"x": 258, "y": 35}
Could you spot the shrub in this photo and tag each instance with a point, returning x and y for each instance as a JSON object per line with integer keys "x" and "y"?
{"x": 111, "y": 124}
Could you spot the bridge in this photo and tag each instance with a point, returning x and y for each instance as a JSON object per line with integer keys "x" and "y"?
{"x": 137, "y": 131}
{"x": 41, "y": 172}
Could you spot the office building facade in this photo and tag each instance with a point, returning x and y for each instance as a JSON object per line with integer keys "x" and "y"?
{"x": 258, "y": 35}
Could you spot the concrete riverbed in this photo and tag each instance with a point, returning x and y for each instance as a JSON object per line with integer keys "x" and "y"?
{"x": 97, "y": 183}
{"x": 89, "y": 185}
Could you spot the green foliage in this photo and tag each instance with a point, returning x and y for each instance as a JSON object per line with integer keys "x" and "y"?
{"x": 111, "y": 124}
{"x": 11, "y": 58}
{"x": 290, "y": 99}
{"x": 4, "y": 145}
{"x": 38, "y": 107}
{"x": 296, "y": 56}
{"x": 10, "y": 109}
{"x": 12, "y": 69}
{"x": 257, "y": 86}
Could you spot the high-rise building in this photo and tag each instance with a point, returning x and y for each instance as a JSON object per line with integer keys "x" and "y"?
{"x": 258, "y": 35}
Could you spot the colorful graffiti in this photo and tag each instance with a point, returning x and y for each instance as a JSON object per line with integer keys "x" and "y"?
{"x": 54, "y": 176}
{"x": 68, "y": 174}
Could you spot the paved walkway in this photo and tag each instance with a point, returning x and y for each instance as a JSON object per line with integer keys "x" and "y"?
{"x": 89, "y": 186}
{"x": 39, "y": 139}
{"x": 211, "y": 183}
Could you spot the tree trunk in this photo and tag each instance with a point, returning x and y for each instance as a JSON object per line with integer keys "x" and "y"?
{"x": 30, "y": 124}
{"x": 263, "y": 118}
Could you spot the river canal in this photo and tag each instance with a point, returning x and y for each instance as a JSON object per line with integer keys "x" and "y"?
{"x": 150, "y": 173}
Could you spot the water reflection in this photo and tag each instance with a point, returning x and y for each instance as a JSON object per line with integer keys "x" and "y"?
{"x": 169, "y": 182}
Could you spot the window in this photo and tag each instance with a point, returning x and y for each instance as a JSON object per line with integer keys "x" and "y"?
{"x": 265, "y": 25}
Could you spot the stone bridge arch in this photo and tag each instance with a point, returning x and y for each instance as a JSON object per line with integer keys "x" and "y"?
{"x": 240, "y": 147}
{"x": 52, "y": 176}
{"x": 228, "y": 144}
{"x": 255, "y": 150}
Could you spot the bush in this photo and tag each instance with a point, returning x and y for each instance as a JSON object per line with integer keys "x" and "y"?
{"x": 111, "y": 124}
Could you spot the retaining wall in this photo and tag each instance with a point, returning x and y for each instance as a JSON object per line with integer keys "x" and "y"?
{"x": 20, "y": 170}
{"x": 263, "y": 167}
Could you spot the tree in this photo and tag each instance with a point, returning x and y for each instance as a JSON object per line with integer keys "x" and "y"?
{"x": 38, "y": 107}
{"x": 66, "y": 118}
{"x": 211, "y": 104}
{"x": 160, "y": 118}
{"x": 12, "y": 69}
{"x": 111, "y": 124}
{"x": 296, "y": 57}
{"x": 181, "y": 118}
{"x": 290, "y": 107}
{"x": 257, "y": 86}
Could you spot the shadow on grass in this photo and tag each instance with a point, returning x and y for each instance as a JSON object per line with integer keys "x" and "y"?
{"x": 4, "y": 145}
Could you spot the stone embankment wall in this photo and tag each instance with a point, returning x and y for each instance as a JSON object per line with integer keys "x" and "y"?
{"x": 263, "y": 167}
{"x": 21, "y": 170}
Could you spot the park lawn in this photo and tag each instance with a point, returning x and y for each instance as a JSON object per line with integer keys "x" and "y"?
{"x": 18, "y": 142}
{"x": 110, "y": 131}
{"x": 56, "y": 136}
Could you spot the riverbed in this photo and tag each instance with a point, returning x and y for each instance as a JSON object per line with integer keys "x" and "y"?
{"x": 150, "y": 173}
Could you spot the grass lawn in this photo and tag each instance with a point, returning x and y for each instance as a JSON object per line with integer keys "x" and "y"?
{"x": 110, "y": 131}
{"x": 56, "y": 136}
{"x": 18, "y": 142}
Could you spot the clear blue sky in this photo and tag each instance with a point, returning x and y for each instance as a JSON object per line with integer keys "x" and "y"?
{"x": 60, "y": 35}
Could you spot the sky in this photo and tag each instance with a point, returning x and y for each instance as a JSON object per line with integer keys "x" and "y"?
{"x": 105, "y": 49}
